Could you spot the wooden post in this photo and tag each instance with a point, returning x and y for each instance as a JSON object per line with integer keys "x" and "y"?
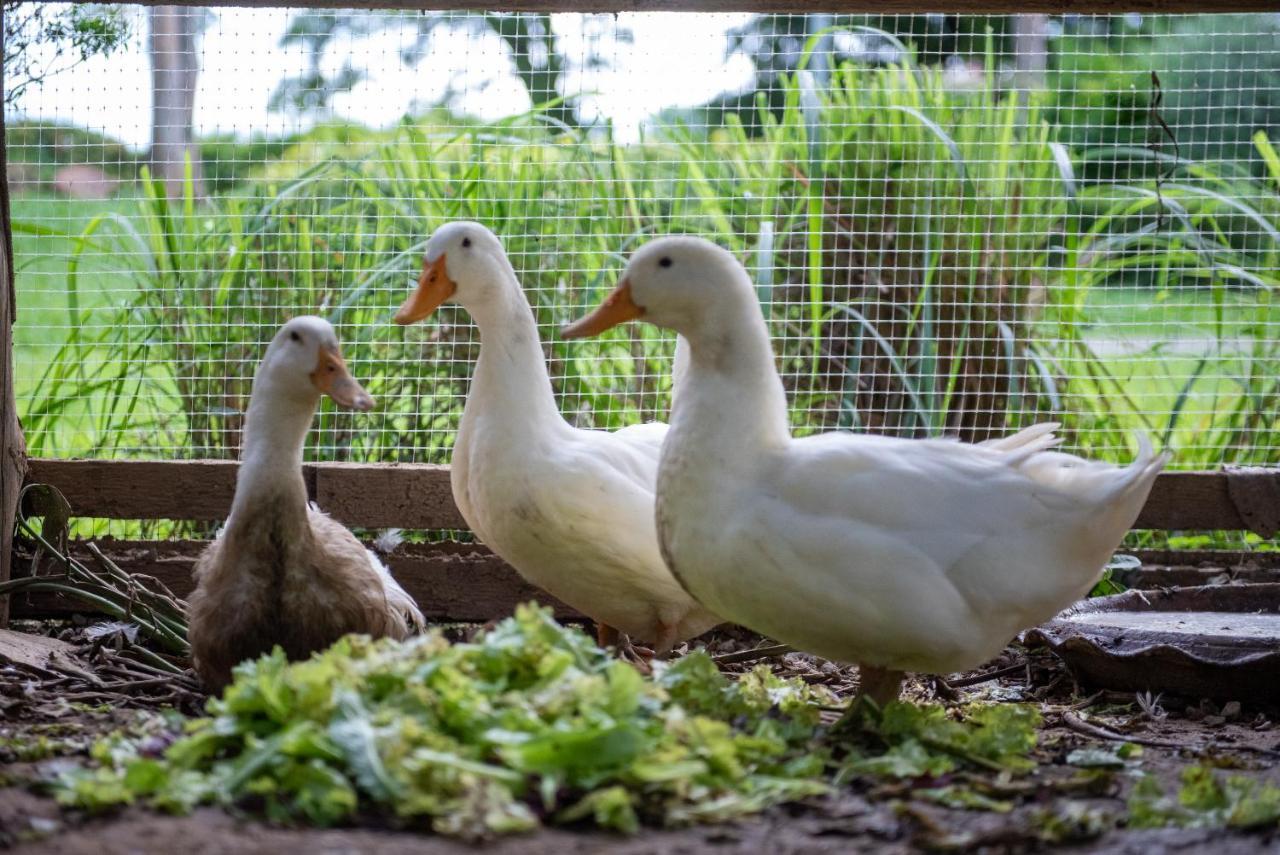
{"x": 13, "y": 458}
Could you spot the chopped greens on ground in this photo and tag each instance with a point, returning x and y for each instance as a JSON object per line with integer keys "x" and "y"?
{"x": 912, "y": 740}
{"x": 1205, "y": 800}
{"x": 532, "y": 722}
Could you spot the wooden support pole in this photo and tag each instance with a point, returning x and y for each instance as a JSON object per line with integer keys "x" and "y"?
{"x": 12, "y": 448}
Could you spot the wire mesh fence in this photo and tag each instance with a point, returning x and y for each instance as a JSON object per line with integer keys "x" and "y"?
{"x": 957, "y": 224}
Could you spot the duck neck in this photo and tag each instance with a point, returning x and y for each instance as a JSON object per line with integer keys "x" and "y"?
{"x": 270, "y": 477}
{"x": 511, "y": 372}
{"x": 732, "y": 401}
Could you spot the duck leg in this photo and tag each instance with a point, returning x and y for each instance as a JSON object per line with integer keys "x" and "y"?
{"x": 878, "y": 684}
{"x": 607, "y": 636}
{"x": 876, "y": 687}
{"x": 666, "y": 640}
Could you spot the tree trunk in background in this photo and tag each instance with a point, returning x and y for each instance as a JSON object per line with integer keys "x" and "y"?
{"x": 1031, "y": 52}
{"x": 13, "y": 457}
{"x": 538, "y": 62}
{"x": 820, "y": 61}
{"x": 173, "y": 87}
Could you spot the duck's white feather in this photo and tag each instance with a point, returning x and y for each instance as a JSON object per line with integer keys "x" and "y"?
{"x": 398, "y": 598}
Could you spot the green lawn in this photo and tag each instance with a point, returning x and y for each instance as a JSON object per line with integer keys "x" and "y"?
{"x": 54, "y": 296}
{"x": 45, "y": 292}
{"x": 1176, "y": 313}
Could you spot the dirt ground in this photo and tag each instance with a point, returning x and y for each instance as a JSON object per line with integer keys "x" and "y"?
{"x": 841, "y": 824}
{"x": 1051, "y": 806}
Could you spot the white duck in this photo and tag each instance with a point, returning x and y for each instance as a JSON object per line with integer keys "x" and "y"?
{"x": 900, "y": 555}
{"x": 280, "y": 571}
{"x": 571, "y": 510}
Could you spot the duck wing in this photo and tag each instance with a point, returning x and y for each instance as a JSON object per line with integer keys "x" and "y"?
{"x": 923, "y": 554}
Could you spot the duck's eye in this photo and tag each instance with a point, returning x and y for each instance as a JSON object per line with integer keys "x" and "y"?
{"x": 293, "y": 336}
{"x": 466, "y": 242}
{"x": 665, "y": 261}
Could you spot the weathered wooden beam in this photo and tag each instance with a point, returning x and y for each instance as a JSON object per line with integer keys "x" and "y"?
{"x": 1080, "y": 7}
{"x": 414, "y": 496}
{"x": 198, "y": 490}
{"x": 464, "y": 582}
{"x": 450, "y": 581}
{"x": 382, "y": 496}
{"x": 1191, "y": 501}
{"x": 12, "y": 449}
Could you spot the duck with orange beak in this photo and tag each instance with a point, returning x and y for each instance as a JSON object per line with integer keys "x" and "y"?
{"x": 899, "y": 555}
{"x": 280, "y": 571}
{"x": 571, "y": 510}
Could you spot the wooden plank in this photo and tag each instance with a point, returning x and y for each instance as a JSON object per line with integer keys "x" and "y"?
{"x": 391, "y": 495}
{"x": 451, "y": 581}
{"x": 1079, "y": 7}
{"x": 417, "y": 496}
{"x": 32, "y": 651}
{"x": 1209, "y": 560}
{"x": 1190, "y": 501}
{"x": 12, "y": 448}
{"x": 464, "y": 582}
{"x": 401, "y": 495}
{"x": 142, "y": 489}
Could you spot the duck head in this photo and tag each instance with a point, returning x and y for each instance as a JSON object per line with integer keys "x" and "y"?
{"x": 304, "y": 361}
{"x": 463, "y": 263}
{"x": 682, "y": 283}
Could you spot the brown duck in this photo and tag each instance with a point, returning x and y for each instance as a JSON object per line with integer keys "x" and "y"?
{"x": 281, "y": 572}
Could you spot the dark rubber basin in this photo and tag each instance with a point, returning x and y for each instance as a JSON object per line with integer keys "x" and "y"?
{"x": 1220, "y": 641}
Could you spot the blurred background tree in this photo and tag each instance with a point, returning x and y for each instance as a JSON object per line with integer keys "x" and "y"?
{"x": 43, "y": 39}
{"x": 174, "y": 70}
{"x": 535, "y": 54}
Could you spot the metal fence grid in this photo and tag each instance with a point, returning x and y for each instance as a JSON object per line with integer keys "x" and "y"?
{"x": 958, "y": 225}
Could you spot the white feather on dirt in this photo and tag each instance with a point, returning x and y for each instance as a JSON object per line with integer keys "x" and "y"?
{"x": 387, "y": 540}
{"x": 111, "y": 627}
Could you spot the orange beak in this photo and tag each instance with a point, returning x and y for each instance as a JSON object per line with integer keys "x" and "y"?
{"x": 434, "y": 287}
{"x": 332, "y": 378}
{"x": 618, "y": 308}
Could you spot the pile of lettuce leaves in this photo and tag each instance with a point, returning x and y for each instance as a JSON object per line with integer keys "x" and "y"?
{"x": 529, "y": 723}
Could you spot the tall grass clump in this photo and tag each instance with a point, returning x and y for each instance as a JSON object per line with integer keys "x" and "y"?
{"x": 171, "y": 366}
{"x": 1205, "y": 228}
{"x": 899, "y": 230}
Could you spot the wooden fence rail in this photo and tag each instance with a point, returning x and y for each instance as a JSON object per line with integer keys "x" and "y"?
{"x": 449, "y": 581}
{"x": 415, "y": 496}
{"x": 460, "y": 581}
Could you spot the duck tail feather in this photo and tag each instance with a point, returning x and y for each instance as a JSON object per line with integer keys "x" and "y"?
{"x": 1026, "y": 444}
{"x": 1141, "y": 473}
